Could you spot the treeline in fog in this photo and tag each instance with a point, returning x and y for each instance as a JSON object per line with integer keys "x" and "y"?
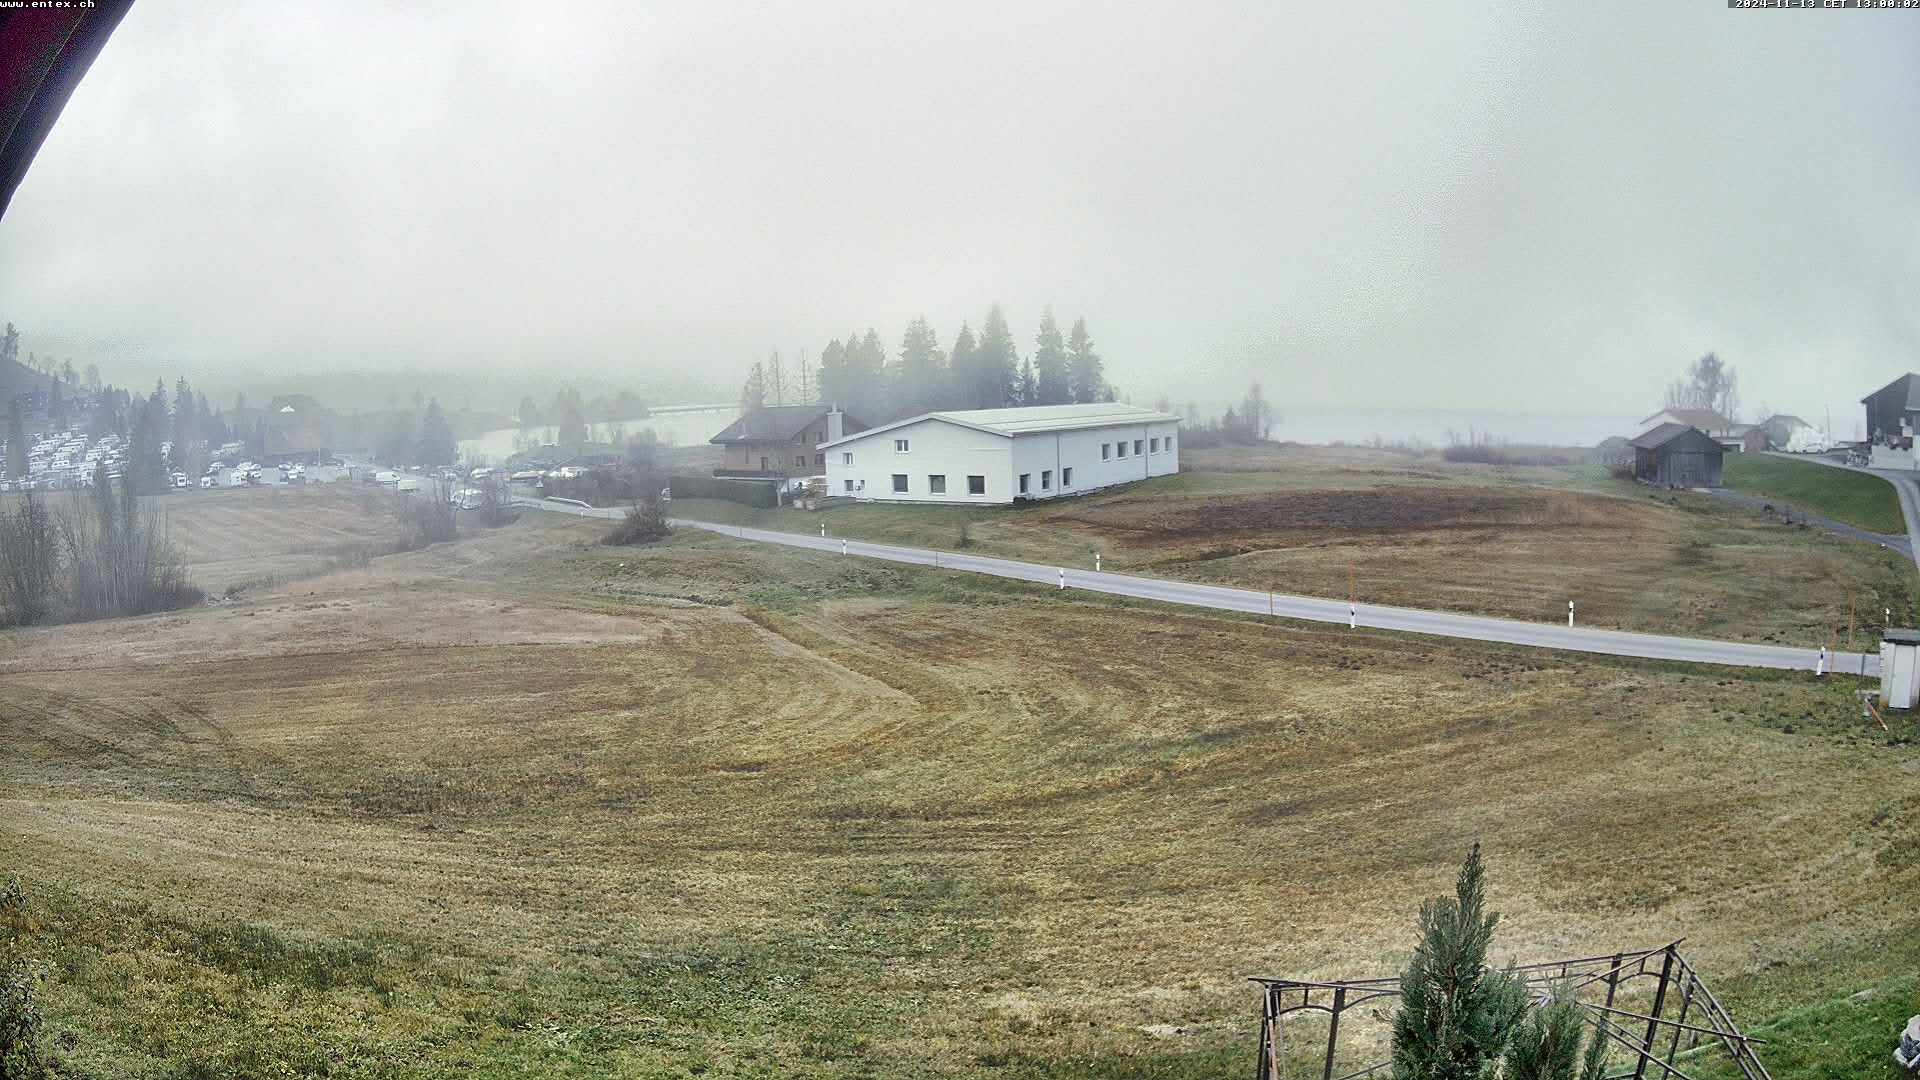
{"x": 983, "y": 370}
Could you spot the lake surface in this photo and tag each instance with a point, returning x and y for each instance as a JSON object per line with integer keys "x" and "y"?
{"x": 689, "y": 428}
{"x": 1425, "y": 427}
{"x": 1438, "y": 427}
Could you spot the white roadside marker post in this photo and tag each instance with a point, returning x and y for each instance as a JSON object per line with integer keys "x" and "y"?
{"x": 1820, "y": 661}
{"x": 843, "y": 546}
{"x": 1569, "y": 613}
{"x": 1063, "y": 577}
{"x": 1353, "y": 617}
{"x": 1096, "y": 562}
{"x": 823, "y": 530}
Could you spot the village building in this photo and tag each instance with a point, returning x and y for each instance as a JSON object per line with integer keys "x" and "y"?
{"x": 779, "y": 441}
{"x": 1710, "y": 422}
{"x": 1781, "y": 428}
{"x": 1004, "y": 455}
{"x": 1893, "y": 411}
{"x": 1677, "y": 455}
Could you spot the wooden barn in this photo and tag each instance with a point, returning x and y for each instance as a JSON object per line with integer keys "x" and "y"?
{"x": 1677, "y": 455}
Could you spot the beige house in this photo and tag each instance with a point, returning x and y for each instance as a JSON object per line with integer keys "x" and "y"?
{"x": 781, "y": 440}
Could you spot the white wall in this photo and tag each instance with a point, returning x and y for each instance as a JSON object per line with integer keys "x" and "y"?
{"x": 1080, "y": 450}
{"x": 934, "y": 447}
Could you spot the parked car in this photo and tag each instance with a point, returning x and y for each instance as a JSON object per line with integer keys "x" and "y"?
{"x": 1906, "y": 1052}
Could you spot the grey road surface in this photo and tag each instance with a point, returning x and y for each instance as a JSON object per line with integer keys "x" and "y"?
{"x": 1904, "y": 486}
{"x": 1313, "y": 609}
{"x": 1900, "y": 543}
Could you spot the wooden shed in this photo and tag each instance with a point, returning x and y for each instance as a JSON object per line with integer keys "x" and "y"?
{"x": 1677, "y": 455}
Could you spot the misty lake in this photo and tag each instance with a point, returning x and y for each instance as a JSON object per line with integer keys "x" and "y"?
{"x": 672, "y": 426}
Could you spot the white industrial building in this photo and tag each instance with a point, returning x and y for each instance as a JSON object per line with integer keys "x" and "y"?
{"x": 1000, "y": 455}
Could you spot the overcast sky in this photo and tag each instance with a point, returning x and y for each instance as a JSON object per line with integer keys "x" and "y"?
{"x": 1545, "y": 206}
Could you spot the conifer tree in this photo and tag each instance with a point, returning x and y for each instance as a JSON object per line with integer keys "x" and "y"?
{"x": 919, "y": 384}
{"x": 833, "y": 375}
{"x": 1456, "y": 1015}
{"x": 997, "y": 364}
{"x": 437, "y": 444}
{"x": 1052, "y": 384}
{"x": 1546, "y": 1046}
{"x": 1085, "y": 380}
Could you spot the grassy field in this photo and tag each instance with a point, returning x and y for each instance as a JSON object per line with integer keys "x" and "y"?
{"x": 234, "y": 537}
{"x": 528, "y": 805}
{"x": 1858, "y": 499}
{"x": 1419, "y": 532}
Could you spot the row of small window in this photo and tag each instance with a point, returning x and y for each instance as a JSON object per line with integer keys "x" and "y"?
{"x": 1119, "y": 449}
{"x": 937, "y": 484}
{"x": 800, "y": 461}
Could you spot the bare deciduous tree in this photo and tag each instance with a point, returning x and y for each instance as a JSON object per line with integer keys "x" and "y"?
{"x": 1710, "y": 383}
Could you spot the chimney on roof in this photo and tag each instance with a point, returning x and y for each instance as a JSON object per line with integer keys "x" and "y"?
{"x": 836, "y": 423}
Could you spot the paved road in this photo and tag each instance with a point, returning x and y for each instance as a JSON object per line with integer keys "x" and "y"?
{"x": 1313, "y": 609}
{"x": 1901, "y": 544}
{"x": 1904, "y": 486}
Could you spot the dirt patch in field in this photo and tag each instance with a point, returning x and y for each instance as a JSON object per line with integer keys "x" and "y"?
{"x": 1386, "y": 509}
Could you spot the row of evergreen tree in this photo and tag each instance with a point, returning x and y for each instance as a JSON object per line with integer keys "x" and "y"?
{"x": 982, "y": 371}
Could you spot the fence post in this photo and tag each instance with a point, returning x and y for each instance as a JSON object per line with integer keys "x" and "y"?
{"x": 1333, "y": 1029}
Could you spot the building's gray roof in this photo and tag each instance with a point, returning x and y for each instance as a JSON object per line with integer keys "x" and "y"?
{"x": 1032, "y": 419}
{"x": 1666, "y": 433}
{"x": 1792, "y": 421}
{"x": 772, "y": 423}
{"x": 1901, "y": 637}
{"x": 1912, "y": 391}
{"x": 1707, "y": 420}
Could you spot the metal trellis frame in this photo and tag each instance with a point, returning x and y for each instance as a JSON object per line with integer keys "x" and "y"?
{"x": 1650, "y": 1004}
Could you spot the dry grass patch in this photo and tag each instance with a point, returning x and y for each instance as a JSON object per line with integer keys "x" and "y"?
{"x": 846, "y": 819}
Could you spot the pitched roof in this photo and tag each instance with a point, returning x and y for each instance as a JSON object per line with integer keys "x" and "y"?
{"x": 1912, "y": 384}
{"x": 1704, "y": 419}
{"x": 1028, "y": 419}
{"x": 1784, "y": 418}
{"x": 772, "y": 423}
{"x": 1666, "y": 433}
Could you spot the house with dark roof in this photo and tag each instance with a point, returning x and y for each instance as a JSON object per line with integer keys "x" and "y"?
{"x": 781, "y": 440}
{"x": 1892, "y": 411}
{"x": 1712, "y": 423}
{"x": 1677, "y": 455}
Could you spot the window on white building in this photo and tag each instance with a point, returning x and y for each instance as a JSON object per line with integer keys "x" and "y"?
{"x": 900, "y": 482}
{"x": 1046, "y": 479}
{"x": 899, "y": 446}
{"x": 1153, "y": 446}
{"x": 849, "y": 484}
{"x": 976, "y": 485}
{"x": 1066, "y": 477}
{"x": 1136, "y": 448}
{"x": 1119, "y": 449}
{"x": 1106, "y": 451}
{"x": 1024, "y": 477}
{"x": 1169, "y": 442}
{"x": 937, "y": 484}
{"x": 846, "y": 457}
